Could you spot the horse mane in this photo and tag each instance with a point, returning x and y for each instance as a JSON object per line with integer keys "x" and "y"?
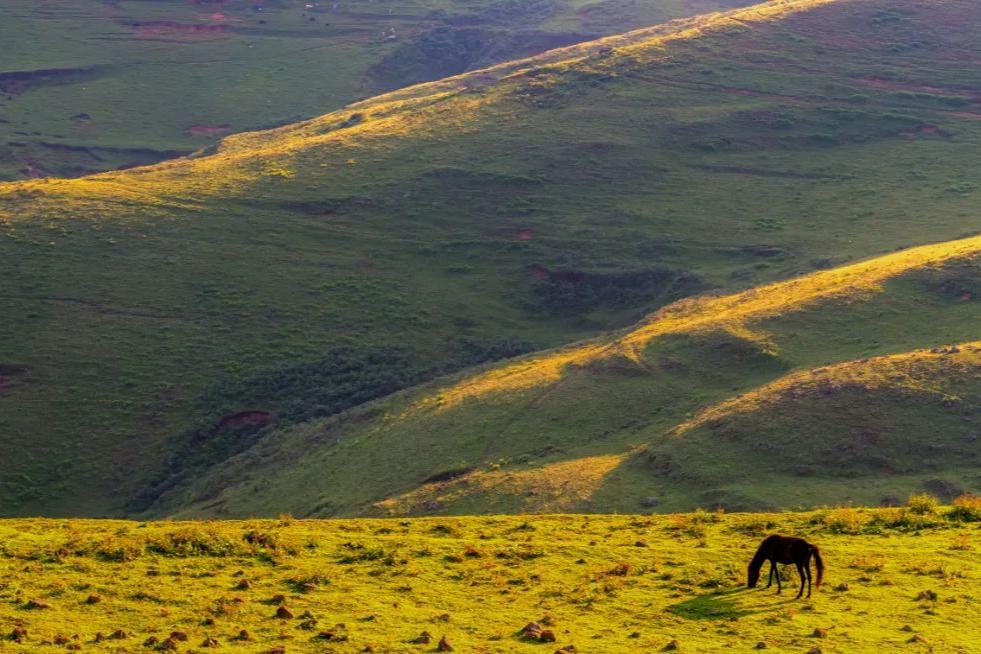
{"x": 762, "y": 551}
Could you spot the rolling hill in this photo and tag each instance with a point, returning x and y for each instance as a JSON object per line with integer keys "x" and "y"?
{"x": 207, "y": 335}
{"x": 92, "y": 86}
{"x": 783, "y": 395}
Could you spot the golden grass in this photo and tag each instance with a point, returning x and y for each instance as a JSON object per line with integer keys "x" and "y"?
{"x": 922, "y": 371}
{"x": 551, "y": 488}
{"x": 735, "y": 313}
{"x": 427, "y": 110}
{"x": 604, "y": 584}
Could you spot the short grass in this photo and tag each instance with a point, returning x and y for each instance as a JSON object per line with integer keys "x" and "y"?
{"x": 903, "y": 579}
{"x": 818, "y": 383}
{"x": 463, "y": 221}
{"x": 98, "y": 85}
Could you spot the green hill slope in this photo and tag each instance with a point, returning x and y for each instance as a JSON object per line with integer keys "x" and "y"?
{"x": 161, "y": 320}
{"x": 710, "y": 402}
{"x": 89, "y": 86}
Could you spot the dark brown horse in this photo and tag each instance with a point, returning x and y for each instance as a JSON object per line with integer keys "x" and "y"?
{"x": 786, "y": 550}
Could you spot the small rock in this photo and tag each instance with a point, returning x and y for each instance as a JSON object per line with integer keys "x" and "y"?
{"x": 278, "y": 649}
{"x": 151, "y": 641}
{"x": 926, "y": 595}
{"x": 284, "y": 613}
{"x": 208, "y": 622}
{"x": 18, "y": 635}
{"x": 243, "y": 636}
{"x": 244, "y": 584}
{"x": 179, "y": 636}
{"x": 422, "y": 639}
{"x": 93, "y": 599}
{"x": 674, "y": 645}
{"x": 635, "y": 634}
{"x": 60, "y": 640}
{"x": 119, "y": 634}
{"x": 814, "y": 650}
{"x": 761, "y": 645}
{"x": 820, "y": 632}
{"x": 36, "y": 604}
{"x": 209, "y": 642}
{"x": 532, "y": 631}
{"x": 568, "y": 649}
{"x": 278, "y": 599}
{"x": 168, "y": 645}
{"x": 917, "y": 638}
{"x": 547, "y": 636}
{"x": 444, "y": 645}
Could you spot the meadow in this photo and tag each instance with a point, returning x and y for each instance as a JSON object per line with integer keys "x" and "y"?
{"x": 897, "y": 579}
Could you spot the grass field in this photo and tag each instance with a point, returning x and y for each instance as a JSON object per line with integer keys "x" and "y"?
{"x": 821, "y": 373}
{"x": 98, "y": 85}
{"x": 159, "y": 322}
{"x": 903, "y": 579}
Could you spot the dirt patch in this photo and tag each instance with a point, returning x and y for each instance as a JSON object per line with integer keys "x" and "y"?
{"x": 515, "y": 234}
{"x": 893, "y": 85}
{"x": 251, "y": 418}
{"x": 208, "y": 130}
{"x": 171, "y": 28}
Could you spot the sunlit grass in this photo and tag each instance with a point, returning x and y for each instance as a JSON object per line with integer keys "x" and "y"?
{"x": 599, "y": 583}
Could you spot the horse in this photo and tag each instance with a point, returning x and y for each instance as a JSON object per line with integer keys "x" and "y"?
{"x": 785, "y": 549}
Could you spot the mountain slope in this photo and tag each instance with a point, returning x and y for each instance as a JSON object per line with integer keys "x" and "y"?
{"x": 161, "y": 320}
{"x": 705, "y": 403}
{"x": 98, "y": 85}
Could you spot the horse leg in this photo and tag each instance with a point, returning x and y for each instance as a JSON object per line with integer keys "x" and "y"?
{"x": 807, "y": 569}
{"x": 770, "y": 582}
{"x": 800, "y": 573}
{"x": 776, "y": 572}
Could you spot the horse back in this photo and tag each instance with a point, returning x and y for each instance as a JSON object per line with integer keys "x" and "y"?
{"x": 788, "y": 549}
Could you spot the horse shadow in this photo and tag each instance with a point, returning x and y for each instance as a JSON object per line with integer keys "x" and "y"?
{"x": 718, "y": 605}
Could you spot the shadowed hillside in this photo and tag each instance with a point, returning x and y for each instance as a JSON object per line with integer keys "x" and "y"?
{"x": 91, "y": 86}
{"x": 167, "y": 319}
{"x": 709, "y": 402}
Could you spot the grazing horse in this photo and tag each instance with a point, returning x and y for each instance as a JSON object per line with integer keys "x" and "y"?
{"x": 786, "y": 550}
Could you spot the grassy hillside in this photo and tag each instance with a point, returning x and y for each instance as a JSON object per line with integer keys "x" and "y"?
{"x": 159, "y": 321}
{"x": 895, "y": 579}
{"x": 97, "y": 85}
{"x": 711, "y": 401}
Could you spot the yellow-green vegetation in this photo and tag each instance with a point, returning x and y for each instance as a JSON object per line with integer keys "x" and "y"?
{"x": 186, "y": 338}
{"x": 902, "y": 579}
{"x": 795, "y": 394}
{"x": 99, "y": 85}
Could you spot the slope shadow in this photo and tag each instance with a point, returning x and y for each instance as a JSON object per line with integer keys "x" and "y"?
{"x": 720, "y": 605}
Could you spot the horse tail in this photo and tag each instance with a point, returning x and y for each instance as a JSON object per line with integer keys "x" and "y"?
{"x": 819, "y": 563}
